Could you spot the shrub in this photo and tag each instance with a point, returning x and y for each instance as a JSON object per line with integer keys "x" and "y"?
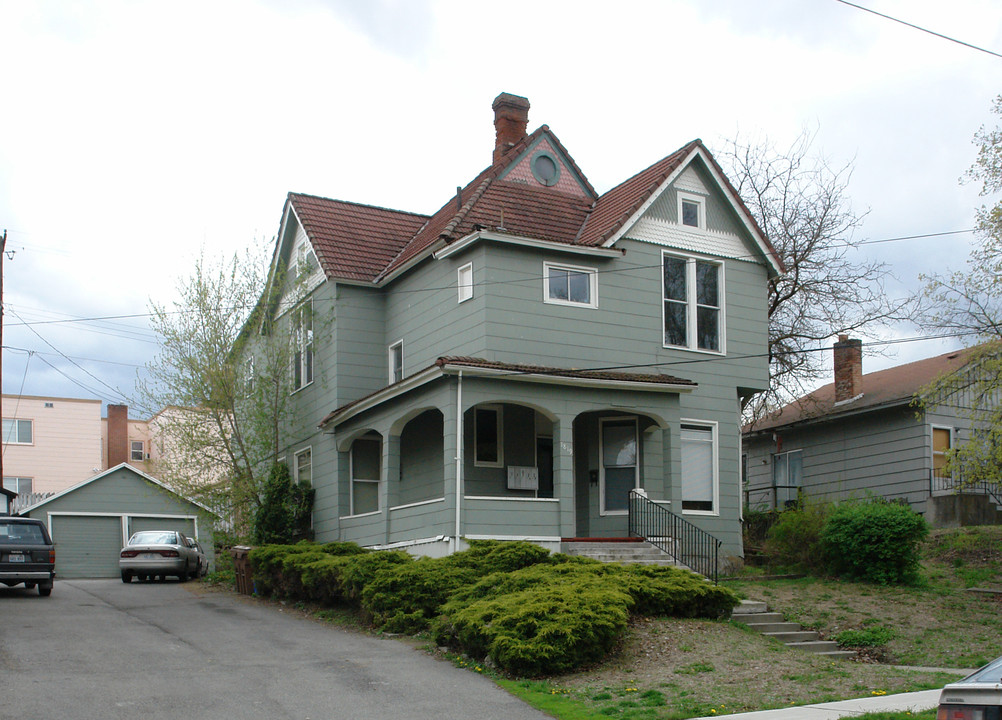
{"x": 873, "y": 540}
{"x": 548, "y": 629}
{"x": 873, "y": 636}
{"x": 793, "y": 540}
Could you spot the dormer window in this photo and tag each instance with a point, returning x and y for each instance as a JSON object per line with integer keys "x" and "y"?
{"x": 691, "y": 211}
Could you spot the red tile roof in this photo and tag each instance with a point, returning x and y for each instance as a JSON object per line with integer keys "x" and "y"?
{"x": 366, "y": 243}
{"x": 354, "y": 241}
{"x": 894, "y": 386}
{"x": 519, "y": 369}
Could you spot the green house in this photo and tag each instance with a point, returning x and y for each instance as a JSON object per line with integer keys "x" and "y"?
{"x": 526, "y": 359}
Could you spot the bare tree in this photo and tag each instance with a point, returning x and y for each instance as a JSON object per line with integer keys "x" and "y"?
{"x": 801, "y": 203}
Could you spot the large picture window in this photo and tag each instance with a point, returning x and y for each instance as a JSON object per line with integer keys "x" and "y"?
{"x": 302, "y": 356}
{"x": 366, "y": 458}
{"x": 693, "y": 303}
{"x": 18, "y": 432}
{"x": 699, "y": 468}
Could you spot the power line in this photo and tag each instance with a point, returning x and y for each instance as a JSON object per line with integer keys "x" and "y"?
{"x": 917, "y": 27}
{"x": 82, "y": 359}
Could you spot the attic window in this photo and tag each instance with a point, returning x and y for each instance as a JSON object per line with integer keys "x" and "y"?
{"x": 691, "y": 211}
{"x": 545, "y": 168}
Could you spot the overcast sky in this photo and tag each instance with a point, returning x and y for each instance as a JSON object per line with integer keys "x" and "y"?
{"x": 134, "y": 134}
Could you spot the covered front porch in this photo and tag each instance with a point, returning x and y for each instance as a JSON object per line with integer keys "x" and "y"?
{"x": 504, "y": 452}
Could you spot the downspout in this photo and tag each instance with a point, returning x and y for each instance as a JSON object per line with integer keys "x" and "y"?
{"x": 459, "y": 457}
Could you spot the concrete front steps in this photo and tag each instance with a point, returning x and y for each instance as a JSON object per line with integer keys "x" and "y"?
{"x": 627, "y": 550}
{"x": 755, "y": 614}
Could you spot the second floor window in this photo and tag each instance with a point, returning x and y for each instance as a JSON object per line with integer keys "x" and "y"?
{"x": 693, "y": 303}
{"x": 570, "y": 285}
{"x": 18, "y": 432}
{"x": 464, "y": 279}
{"x": 302, "y": 338}
{"x": 396, "y": 362}
{"x": 137, "y": 450}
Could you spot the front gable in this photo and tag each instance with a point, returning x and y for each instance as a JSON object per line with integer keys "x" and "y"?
{"x": 721, "y": 225}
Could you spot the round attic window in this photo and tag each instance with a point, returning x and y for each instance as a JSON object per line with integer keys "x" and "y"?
{"x": 545, "y": 168}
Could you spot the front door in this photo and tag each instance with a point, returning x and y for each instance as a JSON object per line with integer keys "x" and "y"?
{"x": 619, "y": 471}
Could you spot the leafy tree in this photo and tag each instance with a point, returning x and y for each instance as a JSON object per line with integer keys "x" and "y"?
{"x": 800, "y": 202}
{"x": 968, "y": 303}
{"x": 218, "y": 416}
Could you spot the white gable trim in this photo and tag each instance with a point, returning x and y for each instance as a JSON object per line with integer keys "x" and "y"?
{"x": 140, "y": 473}
{"x": 745, "y": 220}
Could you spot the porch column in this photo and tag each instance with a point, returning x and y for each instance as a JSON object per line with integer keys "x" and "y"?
{"x": 389, "y": 486}
{"x": 563, "y": 472}
{"x": 450, "y": 450}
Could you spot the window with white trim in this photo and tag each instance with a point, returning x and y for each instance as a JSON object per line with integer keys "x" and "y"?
{"x": 620, "y": 467}
{"x": 366, "y": 458}
{"x": 396, "y": 361}
{"x": 692, "y": 211}
{"x": 137, "y": 450}
{"x": 787, "y": 476}
{"x": 570, "y": 285}
{"x": 464, "y": 281}
{"x": 17, "y": 432}
{"x": 304, "y": 466}
{"x": 20, "y": 485}
{"x": 693, "y": 293}
{"x": 699, "y": 467}
{"x": 488, "y": 446}
{"x": 302, "y": 356}
{"x": 306, "y": 261}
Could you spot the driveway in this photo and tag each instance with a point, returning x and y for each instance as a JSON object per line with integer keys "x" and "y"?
{"x": 103, "y": 649}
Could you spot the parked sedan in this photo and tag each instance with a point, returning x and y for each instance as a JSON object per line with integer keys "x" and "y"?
{"x": 158, "y": 553}
{"x": 977, "y": 697}
{"x": 26, "y": 554}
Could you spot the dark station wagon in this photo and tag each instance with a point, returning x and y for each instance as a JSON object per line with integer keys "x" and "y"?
{"x": 26, "y": 554}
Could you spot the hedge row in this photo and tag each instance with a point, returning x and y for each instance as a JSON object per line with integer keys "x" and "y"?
{"x": 529, "y": 612}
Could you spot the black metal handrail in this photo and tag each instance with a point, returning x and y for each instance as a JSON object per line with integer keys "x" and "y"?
{"x": 953, "y": 484}
{"x": 687, "y": 544}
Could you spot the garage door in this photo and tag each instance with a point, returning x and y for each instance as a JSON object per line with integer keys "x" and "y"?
{"x": 86, "y": 546}
{"x": 138, "y": 523}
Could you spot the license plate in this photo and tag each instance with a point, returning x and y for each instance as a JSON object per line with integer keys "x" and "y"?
{"x": 16, "y": 558}
{"x": 150, "y": 556}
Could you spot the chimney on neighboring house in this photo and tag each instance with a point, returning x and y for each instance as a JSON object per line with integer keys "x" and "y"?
{"x": 848, "y": 368}
{"x": 118, "y": 435}
{"x": 511, "y": 118}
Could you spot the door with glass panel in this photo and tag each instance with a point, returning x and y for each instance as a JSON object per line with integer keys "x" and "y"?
{"x": 620, "y": 470}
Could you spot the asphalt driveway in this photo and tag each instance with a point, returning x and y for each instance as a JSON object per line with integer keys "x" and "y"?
{"x": 103, "y": 649}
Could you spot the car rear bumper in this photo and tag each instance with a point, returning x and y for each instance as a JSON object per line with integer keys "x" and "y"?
{"x": 23, "y": 575}
{"x": 168, "y": 566}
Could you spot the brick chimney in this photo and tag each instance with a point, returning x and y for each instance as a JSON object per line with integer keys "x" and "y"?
{"x": 118, "y": 435}
{"x": 848, "y": 368}
{"x": 511, "y": 118}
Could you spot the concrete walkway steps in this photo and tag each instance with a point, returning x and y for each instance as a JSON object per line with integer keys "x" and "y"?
{"x": 756, "y": 615}
{"x": 641, "y": 553}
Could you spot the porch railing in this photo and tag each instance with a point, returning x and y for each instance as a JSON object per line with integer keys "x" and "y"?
{"x": 26, "y": 500}
{"x": 683, "y": 541}
{"x": 947, "y": 484}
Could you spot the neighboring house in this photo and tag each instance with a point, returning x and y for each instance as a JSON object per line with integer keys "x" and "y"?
{"x": 51, "y": 443}
{"x": 862, "y": 434}
{"x": 514, "y": 364}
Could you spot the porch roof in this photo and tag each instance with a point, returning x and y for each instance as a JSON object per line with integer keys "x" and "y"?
{"x": 478, "y": 367}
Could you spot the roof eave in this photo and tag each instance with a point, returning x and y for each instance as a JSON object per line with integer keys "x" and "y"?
{"x": 523, "y": 240}
{"x": 830, "y": 417}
